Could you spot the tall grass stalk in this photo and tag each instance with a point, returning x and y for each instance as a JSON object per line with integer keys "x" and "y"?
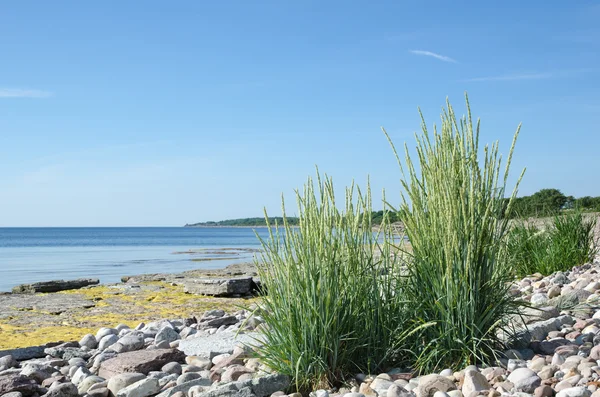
{"x": 452, "y": 210}
{"x": 333, "y": 302}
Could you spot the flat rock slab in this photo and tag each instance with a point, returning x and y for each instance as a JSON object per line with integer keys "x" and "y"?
{"x": 219, "y": 343}
{"x": 54, "y": 285}
{"x": 142, "y": 361}
{"x": 51, "y": 304}
{"x": 219, "y": 287}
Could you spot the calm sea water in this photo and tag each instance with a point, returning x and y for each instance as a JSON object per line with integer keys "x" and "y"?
{"x": 39, "y": 254}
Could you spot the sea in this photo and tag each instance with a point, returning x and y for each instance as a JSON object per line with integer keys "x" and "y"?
{"x": 40, "y": 254}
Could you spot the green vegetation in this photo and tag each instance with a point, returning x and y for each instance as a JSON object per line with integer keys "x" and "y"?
{"x": 338, "y": 300}
{"x": 376, "y": 219}
{"x": 328, "y": 309}
{"x": 568, "y": 242}
{"x": 549, "y": 202}
{"x": 452, "y": 214}
{"x": 249, "y": 222}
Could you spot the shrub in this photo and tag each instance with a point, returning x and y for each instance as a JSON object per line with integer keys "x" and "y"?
{"x": 567, "y": 242}
{"x": 333, "y": 302}
{"x": 452, "y": 210}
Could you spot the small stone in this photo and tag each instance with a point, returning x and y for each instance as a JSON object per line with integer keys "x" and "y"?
{"x": 429, "y": 384}
{"x": 123, "y": 380}
{"x": 143, "y": 388}
{"x": 106, "y": 341}
{"x": 166, "y": 334}
{"x": 579, "y": 391}
{"x": 367, "y": 391}
{"x": 188, "y": 376}
{"x": 80, "y": 374}
{"x": 67, "y": 389}
{"x": 102, "y": 332}
{"x": 100, "y": 392}
{"x": 474, "y": 382}
{"x": 172, "y": 368}
{"x": 89, "y": 341}
{"x": 88, "y": 382}
{"x": 524, "y": 380}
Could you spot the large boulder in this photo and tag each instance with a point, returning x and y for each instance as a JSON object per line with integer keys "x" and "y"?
{"x": 18, "y": 383}
{"x": 219, "y": 287}
{"x": 142, "y": 361}
{"x": 54, "y": 285}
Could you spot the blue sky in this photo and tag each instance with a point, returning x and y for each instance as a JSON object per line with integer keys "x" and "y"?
{"x": 160, "y": 113}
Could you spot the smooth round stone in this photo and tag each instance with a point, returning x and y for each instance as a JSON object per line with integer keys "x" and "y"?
{"x": 102, "y": 332}
{"x": 455, "y": 393}
{"x": 89, "y": 341}
{"x": 188, "y": 376}
{"x": 172, "y": 368}
{"x": 440, "y": 394}
{"x": 447, "y": 372}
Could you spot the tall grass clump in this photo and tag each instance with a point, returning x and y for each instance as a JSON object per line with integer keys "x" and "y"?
{"x": 452, "y": 209}
{"x": 332, "y": 305}
{"x": 568, "y": 241}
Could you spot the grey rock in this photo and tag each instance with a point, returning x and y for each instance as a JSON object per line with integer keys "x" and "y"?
{"x": 539, "y": 330}
{"x": 80, "y": 374}
{"x": 13, "y": 394}
{"x": 100, "y": 392}
{"x": 67, "y": 389}
{"x": 7, "y": 362}
{"x": 380, "y": 384}
{"x": 18, "y": 383}
{"x": 219, "y": 321}
{"x": 88, "y": 382}
{"x": 107, "y": 340}
{"x": 580, "y": 391}
{"x": 143, "y": 388}
{"x": 172, "y": 368}
{"x": 128, "y": 343}
{"x": 54, "y": 285}
{"x": 142, "y": 361}
{"x": 89, "y": 341}
{"x": 429, "y": 384}
{"x": 184, "y": 387}
{"x": 166, "y": 334}
{"x": 474, "y": 381}
{"x": 25, "y": 353}
{"x": 121, "y": 381}
{"x": 525, "y": 380}
{"x": 38, "y": 372}
{"x": 67, "y": 352}
{"x": 104, "y": 331}
{"x": 267, "y": 385}
{"x": 187, "y": 377}
{"x": 212, "y": 345}
{"x": 397, "y": 391}
{"x": 219, "y": 287}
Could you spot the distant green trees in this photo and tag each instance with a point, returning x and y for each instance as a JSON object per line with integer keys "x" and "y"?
{"x": 376, "y": 217}
{"x": 548, "y": 202}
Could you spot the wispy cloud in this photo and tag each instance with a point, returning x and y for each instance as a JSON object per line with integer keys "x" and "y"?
{"x": 23, "y": 93}
{"x": 511, "y": 77}
{"x": 433, "y": 55}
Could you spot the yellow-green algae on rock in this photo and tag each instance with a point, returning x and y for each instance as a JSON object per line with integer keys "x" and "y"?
{"x": 113, "y": 305}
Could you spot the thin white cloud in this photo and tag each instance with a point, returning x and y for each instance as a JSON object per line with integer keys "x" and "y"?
{"x": 512, "y": 77}
{"x": 433, "y": 55}
{"x": 23, "y": 93}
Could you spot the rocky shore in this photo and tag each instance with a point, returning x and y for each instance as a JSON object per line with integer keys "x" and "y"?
{"x": 557, "y": 353}
{"x": 28, "y": 318}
